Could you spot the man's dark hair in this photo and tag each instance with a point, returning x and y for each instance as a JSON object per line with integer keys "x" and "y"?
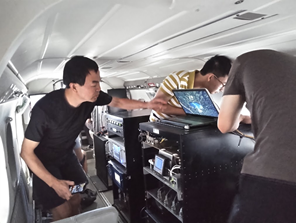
{"x": 77, "y": 68}
{"x": 218, "y": 65}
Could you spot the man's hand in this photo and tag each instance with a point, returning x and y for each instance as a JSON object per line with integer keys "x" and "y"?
{"x": 157, "y": 104}
{"x": 61, "y": 187}
{"x": 245, "y": 119}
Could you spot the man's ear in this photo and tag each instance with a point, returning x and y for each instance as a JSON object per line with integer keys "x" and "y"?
{"x": 209, "y": 76}
{"x": 72, "y": 86}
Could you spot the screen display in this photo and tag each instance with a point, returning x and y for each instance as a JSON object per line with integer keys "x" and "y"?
{"x": 116, "y": 152}
{"x": 77, "y": 188}
{"x": 196, "y": 102}
{"x": 117, "y": 177}
{"x": 158, "y": 164}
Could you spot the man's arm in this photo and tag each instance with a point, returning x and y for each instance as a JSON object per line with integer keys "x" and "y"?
{"x": 61, "y": 187}
{"x": 166, "y": 108}
{"x": 229, "y": 115}
{"x": 129, "y": 104}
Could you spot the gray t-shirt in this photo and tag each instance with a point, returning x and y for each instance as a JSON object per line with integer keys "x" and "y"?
{"x": 267, "y": 81}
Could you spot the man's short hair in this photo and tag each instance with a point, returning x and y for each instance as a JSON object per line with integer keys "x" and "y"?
{"x": 77, "y": 68}
{"x": 218, "y": 65}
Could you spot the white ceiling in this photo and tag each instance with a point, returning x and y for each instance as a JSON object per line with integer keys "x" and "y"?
{"x": 134, "y": 39}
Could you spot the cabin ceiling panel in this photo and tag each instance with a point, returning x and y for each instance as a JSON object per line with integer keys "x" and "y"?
{"x": 42, "y": 85}
{"x": 122, "y": 28}
{"x": 180, "y": 21}
{"x": 73, "y": 24}
{"x": 30, "y": 48}
{"x": 152, "y": 37}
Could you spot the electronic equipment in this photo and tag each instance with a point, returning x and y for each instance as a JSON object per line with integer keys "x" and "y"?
{"x": 169, "y": 197}
{"x": 181, "y": 213}
{"x": 117, "y": 174}
{"x": 77, "y": 188}
{"x": 114, "y": 125}
{"x": 176, "y": 205}
{"x": 172, "y": 157}
{"x": 164, "y": 161}
{"x": 126, "y": 168}
{"x": 161, "y": 192}
{"x": 159, "y": 164}
{"x": 117, "y": 150}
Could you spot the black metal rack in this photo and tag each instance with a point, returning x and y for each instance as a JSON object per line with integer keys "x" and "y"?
{"x": 210, "y": 167}
{"x": 129, "y": 201}
{"x": 101, "y": 162}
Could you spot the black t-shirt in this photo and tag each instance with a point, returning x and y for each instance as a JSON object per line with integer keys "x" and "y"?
{"x": 55, "y": 124}
{"x": 266, "y": 79}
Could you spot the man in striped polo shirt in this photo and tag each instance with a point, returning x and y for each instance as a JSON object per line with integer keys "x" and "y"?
{"x": 213, "y": 76}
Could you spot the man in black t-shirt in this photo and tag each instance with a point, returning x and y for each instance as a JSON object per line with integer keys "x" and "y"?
{"x": 265, "y": 80}
{"x": 56, "y": 121}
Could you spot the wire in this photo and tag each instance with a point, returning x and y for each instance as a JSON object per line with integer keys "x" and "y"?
{"x": 243, "y": 135}
{"x": 174, "y": 168}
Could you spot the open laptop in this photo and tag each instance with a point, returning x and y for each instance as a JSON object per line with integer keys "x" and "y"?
{"x": 199, "y": 108}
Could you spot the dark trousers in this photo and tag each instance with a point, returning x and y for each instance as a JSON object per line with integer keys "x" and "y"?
{"x": 264, "y": 200}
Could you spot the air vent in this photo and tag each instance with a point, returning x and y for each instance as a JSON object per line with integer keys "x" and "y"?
{"x": 249, "y": 16}
{"x": 106, "y": 68}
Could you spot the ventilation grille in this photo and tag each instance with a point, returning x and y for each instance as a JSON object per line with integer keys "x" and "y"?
{"x": 249, "y": 16}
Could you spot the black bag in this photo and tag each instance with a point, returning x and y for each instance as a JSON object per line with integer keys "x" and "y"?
{"x": 87, "y": 198}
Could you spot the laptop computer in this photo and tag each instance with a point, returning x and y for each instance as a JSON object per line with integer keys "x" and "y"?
{"x": 199, "y": 108}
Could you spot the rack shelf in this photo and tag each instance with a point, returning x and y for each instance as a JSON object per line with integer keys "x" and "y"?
{"x": 153, "y": 193}
{"x": 161, "y": 178}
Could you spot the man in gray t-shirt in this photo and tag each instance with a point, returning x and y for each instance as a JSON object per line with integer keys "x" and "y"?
{"x": 266, "y": 81}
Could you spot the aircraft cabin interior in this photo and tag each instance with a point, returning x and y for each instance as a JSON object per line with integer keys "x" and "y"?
{"x": 139, "y": 171}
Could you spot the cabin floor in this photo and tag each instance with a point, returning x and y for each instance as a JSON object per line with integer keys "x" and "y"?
{"x": 104, "y": 198}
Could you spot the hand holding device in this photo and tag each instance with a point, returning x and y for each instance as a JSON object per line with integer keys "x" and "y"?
{"x": 61, "y": 187}
{"x": 77, "y": 188}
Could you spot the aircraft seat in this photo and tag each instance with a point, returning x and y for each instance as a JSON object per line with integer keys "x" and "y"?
{"x": 100, "y": 215}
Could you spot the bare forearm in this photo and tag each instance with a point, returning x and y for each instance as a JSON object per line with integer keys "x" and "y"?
{"x": 130, "y": 104}
{"x": 171, "y": 110}
{"x": 38, "y": 168}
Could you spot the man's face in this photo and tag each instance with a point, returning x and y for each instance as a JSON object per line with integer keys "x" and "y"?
{"x": 91, "y": 88}
{"x": 217, "y": 84}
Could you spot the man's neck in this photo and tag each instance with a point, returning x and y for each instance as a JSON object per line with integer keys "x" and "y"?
{"x": 71, "y": 98}
{"x": 199, "y": 80}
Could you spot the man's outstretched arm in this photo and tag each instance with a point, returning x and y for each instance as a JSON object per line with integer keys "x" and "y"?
{"x": 229, "y": 115}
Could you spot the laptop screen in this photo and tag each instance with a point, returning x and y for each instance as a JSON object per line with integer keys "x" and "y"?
{"x": 196, "y": 102}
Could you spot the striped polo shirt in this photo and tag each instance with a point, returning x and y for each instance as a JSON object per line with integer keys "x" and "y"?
{"x": 176, "y": 80}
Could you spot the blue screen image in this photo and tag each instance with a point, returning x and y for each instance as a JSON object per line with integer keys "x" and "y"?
{"x": 196, "y": 102}
{"x": 158, "y": 163}
{"x": 195, "y": 105}
{"x": 116, "y": 151}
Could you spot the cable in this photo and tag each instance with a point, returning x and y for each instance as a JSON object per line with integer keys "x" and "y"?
{"x": 243, "y": 135}
{"x": 174, "y": 168}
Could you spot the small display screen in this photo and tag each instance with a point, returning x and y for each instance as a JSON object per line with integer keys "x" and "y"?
{"x": 116, "y": 152}
{"x": 77, "y": 188}
{"x": 158, "y": 164}
{"x": 117, "y": 177}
